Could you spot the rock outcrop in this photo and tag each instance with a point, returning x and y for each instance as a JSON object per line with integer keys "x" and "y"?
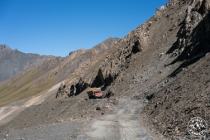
{"x": 187, "y": 95}
{"x": 193, "y": 37}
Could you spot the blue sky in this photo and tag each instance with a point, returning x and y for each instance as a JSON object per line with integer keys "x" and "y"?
{"x": 56, "y": 27}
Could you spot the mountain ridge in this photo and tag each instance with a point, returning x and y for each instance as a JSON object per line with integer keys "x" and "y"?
{"x": 13, "y": 61}
{"x": 52, "y": 71}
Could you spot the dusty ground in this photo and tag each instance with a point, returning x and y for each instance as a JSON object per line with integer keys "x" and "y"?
{"x": 124, "y": 122}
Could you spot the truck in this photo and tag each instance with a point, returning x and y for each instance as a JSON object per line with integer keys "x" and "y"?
{"x": 95, "y": 93}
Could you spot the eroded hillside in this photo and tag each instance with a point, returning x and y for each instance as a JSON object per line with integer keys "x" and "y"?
{"x": 157, "y": 77}
{"x": 40, "y": 78}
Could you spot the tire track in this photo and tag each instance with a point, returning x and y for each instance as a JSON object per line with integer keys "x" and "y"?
{"x": 122, "y": 124}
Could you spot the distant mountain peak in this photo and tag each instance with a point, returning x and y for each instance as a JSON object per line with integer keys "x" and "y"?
{"x": 4, "y": 47}
{"x": 13, "y": 61}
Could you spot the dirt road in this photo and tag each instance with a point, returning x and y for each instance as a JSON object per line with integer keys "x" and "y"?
{"x": 124, "y": 123}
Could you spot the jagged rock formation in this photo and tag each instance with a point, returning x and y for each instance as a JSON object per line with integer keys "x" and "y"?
{"x": 88, "y": 69}
{"x": 110, "y": 68}
{"x": 193, "y": 37}
{"x": 171, "y": 108}
{"x": 113, "y": 64}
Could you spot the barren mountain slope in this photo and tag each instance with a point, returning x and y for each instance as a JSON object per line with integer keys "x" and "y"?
{"x": 40, "y": 78}
{"x": 165, "y": 61}
{"x": 162, "y": 68}
{"x": 13, "y": 62}
{"x": 130, "y": 68}
{"x": 171, "y": 107}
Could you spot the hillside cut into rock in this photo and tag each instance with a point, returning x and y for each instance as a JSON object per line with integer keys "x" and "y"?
{"x": 187, "y": 96}
{"x": 166, "y": 62}
{"x": 158, "y": 79}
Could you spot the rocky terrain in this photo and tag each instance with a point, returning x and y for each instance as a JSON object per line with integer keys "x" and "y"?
{"x": 39, "y": 78}
{"x": 157, "y": 79}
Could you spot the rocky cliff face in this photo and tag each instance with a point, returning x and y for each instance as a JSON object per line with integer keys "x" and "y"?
{"x": 193, "y": 36}
{"x": 87, "y": 67}
{"x": 109, "y": 68}
{"x": 171, "y": 108}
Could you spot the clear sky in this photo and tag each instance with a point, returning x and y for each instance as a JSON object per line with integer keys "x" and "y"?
{"x": 56, "y": 27}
